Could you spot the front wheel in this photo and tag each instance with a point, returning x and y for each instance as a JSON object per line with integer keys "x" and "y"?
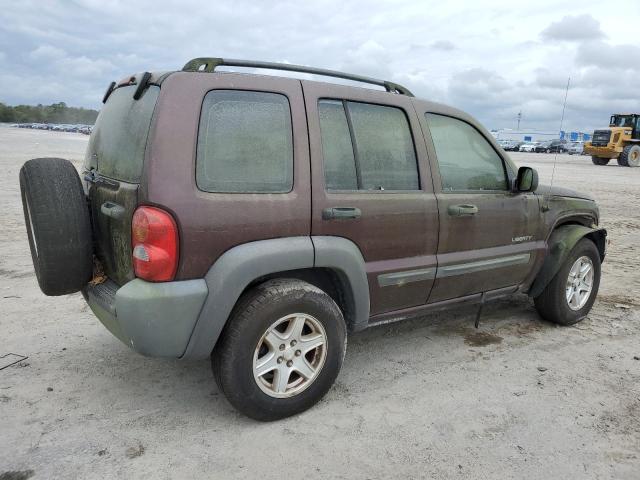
{"x": 570, "y": 295}
{"x": 630, "y": 156}
{"x": 281, "y": 350}
{"x": 599, "y": 160}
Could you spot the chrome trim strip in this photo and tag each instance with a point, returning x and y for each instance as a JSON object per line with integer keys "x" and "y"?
{"x": 477, "y": 266}
{"x": 402, "y": 278}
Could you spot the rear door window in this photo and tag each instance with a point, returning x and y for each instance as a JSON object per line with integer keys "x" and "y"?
{"x": 337, "y": 150}
{"x": 245, "y": 143}
{"x": 119, "y": 138}
{"x": 367, "y": 147}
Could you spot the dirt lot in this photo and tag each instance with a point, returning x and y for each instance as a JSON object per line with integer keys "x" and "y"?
{"x": 428, "y": 398}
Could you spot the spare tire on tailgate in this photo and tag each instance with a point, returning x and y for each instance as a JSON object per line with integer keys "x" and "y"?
{"x": 58, "y": 225}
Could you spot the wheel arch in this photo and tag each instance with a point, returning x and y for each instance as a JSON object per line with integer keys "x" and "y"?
{"x": 560, "y": 243}
{"x": 333, "y": 264}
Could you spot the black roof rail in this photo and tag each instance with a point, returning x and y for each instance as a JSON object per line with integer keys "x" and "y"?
{"x": 209, "y": 64}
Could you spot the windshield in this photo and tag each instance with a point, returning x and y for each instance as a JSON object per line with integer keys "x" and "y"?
{"x": 622, "y": 121}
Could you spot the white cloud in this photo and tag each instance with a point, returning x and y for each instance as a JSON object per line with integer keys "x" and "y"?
{"x": 492, "y": 59}
{"x": 574, "y": 27}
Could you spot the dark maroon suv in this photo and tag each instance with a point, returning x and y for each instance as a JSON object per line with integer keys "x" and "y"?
{"x": 257, "y": 220}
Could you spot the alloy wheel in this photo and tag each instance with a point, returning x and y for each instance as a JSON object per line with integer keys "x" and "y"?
{"x": 290, "y": 355}
{"x": 579, "y": 283}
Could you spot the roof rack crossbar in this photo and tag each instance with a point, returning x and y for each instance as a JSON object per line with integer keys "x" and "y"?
{"x": 209, "y": 64}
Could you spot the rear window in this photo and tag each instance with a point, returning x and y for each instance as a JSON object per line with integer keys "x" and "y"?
{"x": 245, "y": 143}
{"x": 118, "y": 141}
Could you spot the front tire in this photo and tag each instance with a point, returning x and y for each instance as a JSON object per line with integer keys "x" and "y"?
{"x": 570, "y": 295}
{"x": 599, "y": 160}
{"x": 281, "y": 351}
{"x": 630, "y": 156}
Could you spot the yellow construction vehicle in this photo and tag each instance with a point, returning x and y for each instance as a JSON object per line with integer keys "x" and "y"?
{"x": 621, "y": 141}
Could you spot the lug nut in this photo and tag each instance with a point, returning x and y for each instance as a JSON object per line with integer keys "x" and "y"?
{"x": 298, "y": 353}
{"x": 289, "y": 363}
{"x": 293, "y": 343}
{"x": 280, "y": 359}
{"x": 282, "y": 347}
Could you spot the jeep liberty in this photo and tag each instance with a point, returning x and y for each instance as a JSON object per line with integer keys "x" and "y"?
{"x": 256, "y": 220}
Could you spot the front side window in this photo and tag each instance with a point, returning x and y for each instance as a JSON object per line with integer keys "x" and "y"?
{"x": 245, "y": 143}
{"x": 466, "y": 160}
{"x": 367, "y": 147}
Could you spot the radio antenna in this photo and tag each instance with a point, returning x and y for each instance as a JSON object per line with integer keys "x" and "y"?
{"x": 555, "y": 158}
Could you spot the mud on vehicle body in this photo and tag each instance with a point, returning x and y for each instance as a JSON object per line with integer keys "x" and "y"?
{"x": 257, "y": 220}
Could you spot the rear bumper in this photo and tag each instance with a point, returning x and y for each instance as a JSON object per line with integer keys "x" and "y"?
{"x": 154, "y": 319}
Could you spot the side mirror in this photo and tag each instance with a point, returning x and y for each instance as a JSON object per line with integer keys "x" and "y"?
{"x": 527, "y": 180}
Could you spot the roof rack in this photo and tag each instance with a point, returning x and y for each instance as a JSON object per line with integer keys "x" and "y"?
{"x": 206, "y": 64}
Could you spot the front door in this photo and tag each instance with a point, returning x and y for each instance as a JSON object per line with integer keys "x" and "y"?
{"x": 371, "y": 185}
{"x": 489, "y": 235}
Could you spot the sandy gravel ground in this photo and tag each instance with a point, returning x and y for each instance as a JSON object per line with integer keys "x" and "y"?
{"x": 429, "y": 398}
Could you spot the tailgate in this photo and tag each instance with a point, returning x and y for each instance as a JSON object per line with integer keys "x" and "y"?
{"x": 113, "y": 168}
{"x": 112, "y": 206}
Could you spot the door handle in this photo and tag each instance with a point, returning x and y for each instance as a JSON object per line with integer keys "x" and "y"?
{"x": 340, "y": 212}
{"x": 462, "y": 210}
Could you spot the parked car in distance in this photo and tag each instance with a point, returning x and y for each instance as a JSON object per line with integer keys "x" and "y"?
{"x": 255, "y": 221}
{"x": 528, "y": 147}
{"x": 514, "y": 146}
{"x": 57, "y": 127}
{"x": 575, "y": 148}
{"x": 552, "y": 146}
{"x": 509, "y": 145}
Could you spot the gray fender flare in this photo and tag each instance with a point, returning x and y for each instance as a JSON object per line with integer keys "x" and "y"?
{"x": 560, "y": 243}
{"x": 230, "y": 275}
{"x": 344, "y": 257}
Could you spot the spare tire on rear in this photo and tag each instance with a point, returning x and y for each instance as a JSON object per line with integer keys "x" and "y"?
{"x": 58, "y": 225}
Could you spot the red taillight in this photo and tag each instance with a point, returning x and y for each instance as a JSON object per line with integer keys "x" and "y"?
{"x": 154, "y": 238}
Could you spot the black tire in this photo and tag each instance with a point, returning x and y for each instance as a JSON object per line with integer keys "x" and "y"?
{"x": 599, "y": 160}
{"x": 58, "y": 225}
{"x": 630, "y": 156}
{"x": 552, "y": 303}
{"x": 256, "y": 311}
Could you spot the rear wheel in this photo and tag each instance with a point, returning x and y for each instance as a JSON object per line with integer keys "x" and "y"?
{"x": 58, "y": 225}
{"x": 600, "y": 160}
{"x": 630, "y": 156}
{"x": 570, "y": 295}
{"x": 281, "y": 350}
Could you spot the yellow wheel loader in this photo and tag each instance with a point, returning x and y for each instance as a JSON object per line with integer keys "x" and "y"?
{"x": 620, "y": 141}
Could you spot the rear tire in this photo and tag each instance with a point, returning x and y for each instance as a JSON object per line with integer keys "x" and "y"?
{"x": 256, "y": 360}
{"x": 599, "y": 160}
{"x": 58, "y": 225}
{"x": 630, "y": 156}
{"x": 553, "y": 304}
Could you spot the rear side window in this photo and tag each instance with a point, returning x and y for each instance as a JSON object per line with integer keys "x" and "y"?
{"x": 119, "y": 137}
{"x": 245, "y": 143}
{"x": 466, "y": 160}
{"x": 367, "y": 147}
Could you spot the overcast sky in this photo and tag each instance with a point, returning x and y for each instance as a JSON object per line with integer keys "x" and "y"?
{"x": 491, "y": 58}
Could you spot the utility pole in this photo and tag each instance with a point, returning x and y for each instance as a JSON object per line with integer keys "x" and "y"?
{"x": 519, "y": 117}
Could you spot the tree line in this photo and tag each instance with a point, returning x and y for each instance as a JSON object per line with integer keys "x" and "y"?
{"x": 54, "y": 113}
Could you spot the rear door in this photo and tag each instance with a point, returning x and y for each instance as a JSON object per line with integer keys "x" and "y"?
{"x": 370, "y": 184}
{"x": 113, "y": 163}
{"x": 490, "y": 237}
